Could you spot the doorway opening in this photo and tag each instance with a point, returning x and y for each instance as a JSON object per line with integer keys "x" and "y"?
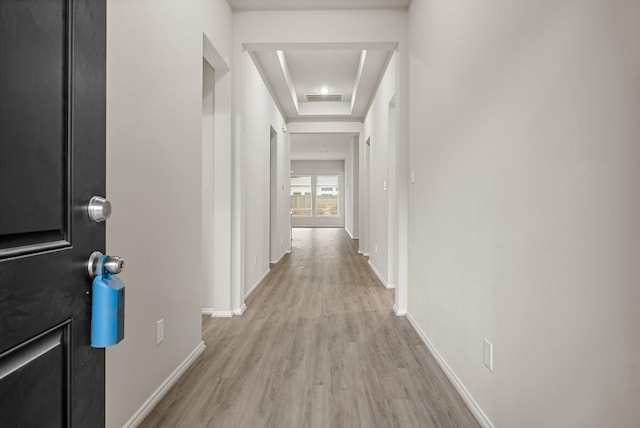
{"x": 392, "y": 199}
{"x": 366, "y": 230}
{"x": 216, "y": 186}
{"x": 208, "y": 132}
{"x": 274, "y": 244}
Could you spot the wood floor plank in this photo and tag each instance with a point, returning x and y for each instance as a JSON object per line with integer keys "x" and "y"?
{"x": 318, "y": 346}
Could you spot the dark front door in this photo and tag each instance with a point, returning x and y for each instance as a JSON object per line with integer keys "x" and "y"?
{"x": 52, "y": 161}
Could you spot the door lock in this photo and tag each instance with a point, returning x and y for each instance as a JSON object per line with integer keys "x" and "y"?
{"x": 99, "y": 209}
{"x": 112, "y": 264}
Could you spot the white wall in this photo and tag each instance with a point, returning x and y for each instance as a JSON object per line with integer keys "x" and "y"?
{"x": 322, "y": 167}
{"x": 260, "y": 114}
{"x": 525, "y": 139}
{"x": 154, "y": 180}
{"x": 352, "y": 188}
{"x": 376, "y": 131}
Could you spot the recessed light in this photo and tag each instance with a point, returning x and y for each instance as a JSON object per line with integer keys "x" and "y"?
{"x": 324, "y": 90}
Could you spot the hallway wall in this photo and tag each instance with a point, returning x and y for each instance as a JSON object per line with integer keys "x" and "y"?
{"x": 154, "y": 102}
{"x": 259, "y": 115}
{"x": 524, "y": 214}
{"x": 352, "y": 189}
{"x": 376, "y": 130}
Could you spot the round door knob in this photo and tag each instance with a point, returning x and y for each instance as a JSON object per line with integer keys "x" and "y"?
{"x": 114, "y": 264}
{"x": 111, "y": 264}
{"x": 99, "y": 209}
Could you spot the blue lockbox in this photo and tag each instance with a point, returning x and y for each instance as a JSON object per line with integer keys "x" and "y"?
{"x": 107, "y": 309}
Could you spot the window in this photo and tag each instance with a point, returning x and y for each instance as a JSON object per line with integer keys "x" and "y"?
{"x": 301, "y": 196}
{"x": 327, "y": 195}
{"x": 315, "y": 195}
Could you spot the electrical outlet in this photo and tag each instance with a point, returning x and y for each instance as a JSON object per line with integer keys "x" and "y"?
{"x": 488, "y": 354}
{"x": 384, "y": 185}
{"x": 413, "y": 176}
{"x": 160, "y": 331}
{"x": 375, "y": 249}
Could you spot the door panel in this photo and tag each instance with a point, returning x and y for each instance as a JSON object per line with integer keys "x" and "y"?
{"x": 33, "y": 391}
{"x": 52, "y": 161}
{"x": 34, "y": 123}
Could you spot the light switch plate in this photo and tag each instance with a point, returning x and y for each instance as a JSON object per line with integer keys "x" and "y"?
{"x": 488, "y": 354}
{"x": 160, "y": 331}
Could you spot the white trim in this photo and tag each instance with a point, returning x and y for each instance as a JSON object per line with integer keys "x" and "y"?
{"x": 213, "y": 57}
{"x": 398, "y": 312}
{"x": 157, "y": 395}
{"x": 366, "y": 254}
{"x": 474, "y": 407}
{"x": 391, "y": 286}
{"x": 351, "y": 235}
{"x": 207, "y": 311}
{"x": 221, "y": 314}
{"x": 253, "y": 288}
{"x": 380, "y": 277}
{"x": 360, "y": 252}
{"x": 240, "y": 311}
{"x": 281, "y": 257}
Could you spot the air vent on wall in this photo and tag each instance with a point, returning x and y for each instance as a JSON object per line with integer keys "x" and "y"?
{"x": 323, "y": 97}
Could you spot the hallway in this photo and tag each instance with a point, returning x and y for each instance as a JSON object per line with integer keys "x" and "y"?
{"x": 319, "y": 346}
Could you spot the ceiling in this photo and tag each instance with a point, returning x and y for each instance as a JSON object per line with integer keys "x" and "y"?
{"x": 317, "y": 4}
{"x": 321, "y": 81}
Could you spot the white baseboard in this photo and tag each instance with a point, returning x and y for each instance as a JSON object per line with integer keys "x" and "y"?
{"x": 350, "y": 234}
{"x": 474, "y": 407}
{"x": 360, "y": 252}
{"x": 378, "y": 274}
{"x": 213, "y": 313}
{"x": 281, "y": 257}
{"x": 366, "y": 254}
{"x": 157, "y": 395}
{"x": 398, "y": 312}
{"x": 221, "y": 314}
{"x": 390, "y": 286}
{"x": 258, "y": 282}
{"x": 240, "y": 311}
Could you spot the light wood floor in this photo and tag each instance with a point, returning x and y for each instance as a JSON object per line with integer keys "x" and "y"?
{"x": 319, "y": 346}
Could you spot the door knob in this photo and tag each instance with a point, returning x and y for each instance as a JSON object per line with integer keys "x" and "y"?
{"x": 99, "y": 209}
{"x": 112, "y": 264}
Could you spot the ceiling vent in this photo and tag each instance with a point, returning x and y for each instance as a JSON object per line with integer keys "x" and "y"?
{"x": 323, "y": 97}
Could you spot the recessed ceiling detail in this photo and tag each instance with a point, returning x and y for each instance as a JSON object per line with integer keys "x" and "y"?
{"x": 322, "y": 82}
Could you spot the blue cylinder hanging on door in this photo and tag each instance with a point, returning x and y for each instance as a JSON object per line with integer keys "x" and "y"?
{"x": 107, "y": 308}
